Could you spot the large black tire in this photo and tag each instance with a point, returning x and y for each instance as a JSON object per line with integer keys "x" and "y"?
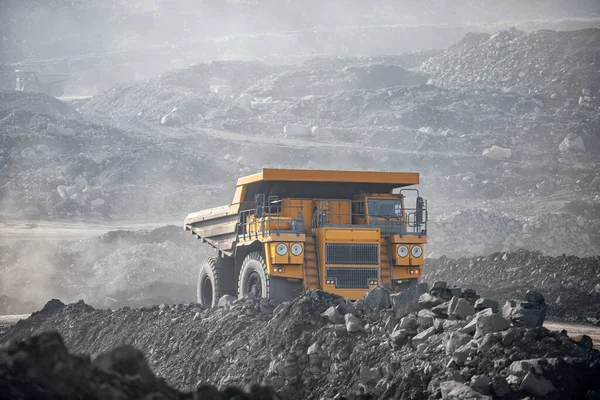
{"x": 255, "y": 279}
{"x": 215, "y": 279}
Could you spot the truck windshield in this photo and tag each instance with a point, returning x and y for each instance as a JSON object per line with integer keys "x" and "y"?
{"x": 391, "y": 208}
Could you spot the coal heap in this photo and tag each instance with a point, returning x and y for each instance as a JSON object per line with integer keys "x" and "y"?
{"x": 418, "y": 344}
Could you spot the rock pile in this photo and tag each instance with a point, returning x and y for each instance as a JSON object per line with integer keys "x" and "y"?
{"x": 553, "y": 64}
{"x": 571, "y": 284}
{"x": 318, "y": 345}
{"x": 42, "y": 367}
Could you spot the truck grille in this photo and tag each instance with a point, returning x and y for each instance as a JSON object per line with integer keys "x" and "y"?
{"x": 343, "y": 253}
{"x": 351, "y": 278}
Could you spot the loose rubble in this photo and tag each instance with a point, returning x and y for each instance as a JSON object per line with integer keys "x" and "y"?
{"x": 319, "y": 345}
{"x": 571, "y": 285}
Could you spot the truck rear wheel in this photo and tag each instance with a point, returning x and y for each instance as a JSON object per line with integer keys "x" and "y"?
{"x": 254, "y": 279}
{"x": 215, "y": 279}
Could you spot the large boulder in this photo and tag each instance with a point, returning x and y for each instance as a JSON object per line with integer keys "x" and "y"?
{"x": 497, "y": 152}
{"x": 460, "y": 308}
{"x": 407, "y": 301}
{"x": 296, "y": 130}
{"x": 536, "y": 386}
{"x": 453, "y": 390}
{"x": 490, "y": 324}
{"x": 529, "y": 313}
{"x": 377, "y": 298}
{"x": 571, "y": 143}
{"x": 352, "y": 323}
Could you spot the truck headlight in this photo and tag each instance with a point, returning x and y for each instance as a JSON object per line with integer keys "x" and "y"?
{"x": 416, "y": 251}
{"x": 296, "y": 249}
{"x": 402, "y": 251}
{"x": 281, "y": 249}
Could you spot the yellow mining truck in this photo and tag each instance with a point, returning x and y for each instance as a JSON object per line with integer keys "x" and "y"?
{"x": 288, "y": 230}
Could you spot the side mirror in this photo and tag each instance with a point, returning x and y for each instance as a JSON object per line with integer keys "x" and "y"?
{"x": 259, "y": 205}
{"x": 419, "y": 212}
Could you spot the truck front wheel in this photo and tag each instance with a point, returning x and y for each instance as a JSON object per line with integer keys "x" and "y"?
{"x": 255, "y": 280}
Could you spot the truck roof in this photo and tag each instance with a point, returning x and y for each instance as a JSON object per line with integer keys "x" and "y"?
{"x": 310, "y": 183}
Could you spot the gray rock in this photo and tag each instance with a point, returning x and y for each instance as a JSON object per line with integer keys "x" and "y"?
{"x": 456, "y": 340}
{"x": 352, "y": 323}
{"x": 500, "y": 386}
{"x": 488, "y": 341}
{"x": 333, "y": 315}
{"x": 377, "y": 298}
{"x": 456, "y": 291}
{"x": 226, "y": 300}
{"x": 481, "y": 384}
{"x": 483, "y": 303}
{"x": 322, "y": 133}
{"x": 453, "y": 390}
{"x": 427, "y": 300}
{"x": 536, "y": 386}
{"x": 423, "y": 336}
{"x": 490, "y": 323}
{"x": 442, "y": 293}
{"x": 460, "y": 308}
{"x": 409, "y": 323}
{"x": 425, "y": 318}
{"x": 399, "y": 337}
{"x": 524, "y": 313}
{"x": 470, "y": 295}
{"x": 439, "y": 284}
{"x": 296, "y": 130}
{"x": 534, "y": 297}
{"x": 441, "y": 309}
{"x": 369, "y": 376}
{"x": 471, "y": 327}
{"x": 438, "y": 324}
{"x": 313, "y": 349}
{"x": 521, "y": 367}
{"x": 407, "y": 301}
{"x": 232, "y": 346}
{"x": 461, "y": 354}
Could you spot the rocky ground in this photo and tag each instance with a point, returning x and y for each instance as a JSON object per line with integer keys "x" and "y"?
{"x": 442, "y": 343}
{"x": 570, "y": 284}
{"x": 499, "y": 115}
{"x": 503, "y": 168}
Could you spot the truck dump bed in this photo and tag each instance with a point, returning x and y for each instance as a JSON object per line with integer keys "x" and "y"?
{"x": 218, "y": 226}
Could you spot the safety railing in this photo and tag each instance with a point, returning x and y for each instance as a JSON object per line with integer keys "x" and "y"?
{"x": 385, "y": 214}
{"x": 274, "y": 219}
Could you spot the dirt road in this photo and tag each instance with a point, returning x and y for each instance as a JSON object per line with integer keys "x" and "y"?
{"x": 576, "y": 329}
{"x": 13, "y": 231}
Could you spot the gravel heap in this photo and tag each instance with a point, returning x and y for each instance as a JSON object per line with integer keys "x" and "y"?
{"x": 42, "y": 367}
{"x": 553, "y": 64}
{"x": 407, "y": 346}
{"x": 571, "y": 284}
